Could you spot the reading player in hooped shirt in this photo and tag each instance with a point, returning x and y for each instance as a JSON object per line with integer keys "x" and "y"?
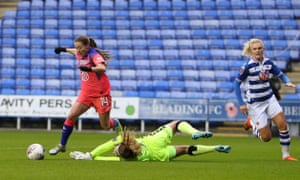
{"x": 261, "y": 103}
{"x": 95, "y": 88}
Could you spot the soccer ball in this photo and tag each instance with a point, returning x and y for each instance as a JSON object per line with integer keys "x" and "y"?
{"x": 35, "y": 152}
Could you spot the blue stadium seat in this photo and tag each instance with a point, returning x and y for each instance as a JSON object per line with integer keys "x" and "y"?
{"x": 155, "y": 44}
{"x": 192, "y": 86}
{"x": 217, "y": 54}
{"x": 37, "y": 63}
{"x": 186, "y": 54}
{"x": 220, "y": 65}
{"x": 129, "y": 93}
{"x": 175, "y": 74}
{"x": 51, "y": 33}
{"x": 151, "y": 15}
{"x": 233, "y": 54}
{"x": 209, "y": 14}
{"x": 37, "y": 73}
{"x": 153, "y": 34}
{"x": 267, "y": 5}
{"x": 8, "y": 23}
{"x": 161, "y": 85}
{"x": 183, "y": 43}
{"x": 22, "y": 92}
{"x": 68, "y": 84}
{"x": 182, "y": 34}
{"x": 253, "y": 4}
{"x": 67, "y": 74}
{"x": 279, "y": 44}
{"x": 22, "y": 53}
{"x": 10, "y": 15}
{"x": 276, "y": 34}
{"x": 143, "y": 74}
{"x": 152, "y": 24}
{"x": 193, "y": 4}
{"x": 138, "y": 34}
{"x": 79, "y": 24}
{"x": 290, "y": 34}
{"x": 167, "y": 34}
{"x": 260, "y": 33}
{"x": 140, "y": 54}
{"x": 23, "y": 14}
{"x": 37, "y": 33}
{"x": 137, "y": 24}
{"x": 216, "y": 44}
{"x": 37, "y": 14}
{"x": 109, "y": 44}
{"x": 52, "y": 63}
{"x": 22, "y": 83}
{"x": 94, "y": 15}
{"x": 235, "y": 65}
{"x": 294, "y": 45}
{"x": 50, "y": 14}
{"x": 283, "y": 4}
{"x": 145, "y": 85}
{"x": 173, "y": 64}
{"x": 295, "y": 4}
{"x": 92, "y": 5}
{"x": 255, "y": 14}
{"x": 51, "y": 23}
{"x": 23, "y": 23}
{"x": 125, "y": 54}
{"x": 136, "y": 14}
{"x": 37, "y": 43}
{"x": 257, "y": 23}
{"x": 197, "y": 24}
{"x": 170, "y": 54}
{"x": 244, "y": 33}
{"x": 127, "y": 64}
{"x": 8, "y": 91}
{"x": 53, "y": 84}
{"x": 227, "y": 24}
{"x": 228, "y": 34}
{"x": 68, "y": 92}
{"x": 240, "y": 14}
{"x": 8, "y": 33}
{"x": 165, "y": 15}
{"x": 128, "y": 74}
{"x": 146, "y": 94}
{"x": 113, "y": 74}
{"x": 162, "y": 94}
{"x": 273, "y": 23}
{"x": 129, "y": 85}
{"x": 121, "y": 5}
{"x": 180, "y": 14}
{"x": 123, "y": 34}
{"x": 270, "y": 13}
{"x": 53, "y": 92}
{"x": 175, "y": 94}
{"x": 155, "y": 54}
{"x": 115, "y": 84}
{"x": 8, "y": 72}
{"x": 208, "y": 86}
{"x": 223, "y": 75}
{"x": 213, "y": 34}
{"x": 64, "y": 5}
{"x": 286, "y": 14}
{"x": 289, "y": 24}
{"x": 23, "y": 63}
{"x": 203, "y": 54}
{"x": 52, "y": 74}
{"x": 37, "y": 53}
{"x": 200, "y": 43}
{"x": 178, "y": 5}
{"x": 181, "y": 24}
{"x": 207, "y": 75}
{"x": 189, "y": 64}
{"x": 223, "y": 4}
{"x": 9, "y": 42}
{"x": 8, "y": 63}
{"x": 208, "y": 5}
{"x": 194, "y": 14}
{"x": 135, "y": 5}
{"x": 37, "y": 92}
{"x": 37, "y": 84}
{"x": 141, "y": 64}
{"x": 166, "y": 24}
{"x": 159, "y": 75}
{"x": 50, "y": 5}
{"x": 191, "y": 75}
{"x": 23, "y": 72}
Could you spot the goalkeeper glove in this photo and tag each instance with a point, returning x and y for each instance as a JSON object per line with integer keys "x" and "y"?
{"x": 58, "y": 50}
{"x": 86, "y": 69}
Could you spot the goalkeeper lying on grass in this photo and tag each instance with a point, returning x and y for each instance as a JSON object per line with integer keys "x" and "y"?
{"x": 153, "y": 147}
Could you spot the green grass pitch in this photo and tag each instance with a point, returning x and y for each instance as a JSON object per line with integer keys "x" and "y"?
{"x": 249, "y": 159}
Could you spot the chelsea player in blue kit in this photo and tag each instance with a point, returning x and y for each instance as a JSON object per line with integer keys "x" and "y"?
{"x": 261, "y": 103}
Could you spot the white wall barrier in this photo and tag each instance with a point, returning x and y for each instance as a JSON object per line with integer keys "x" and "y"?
{"x": 138, "y": 108}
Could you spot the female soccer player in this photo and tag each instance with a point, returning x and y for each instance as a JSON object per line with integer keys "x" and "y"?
{"x": 95, "y": 88}
{"x": 261, "y": 103}
{"x": 153, "y": 147}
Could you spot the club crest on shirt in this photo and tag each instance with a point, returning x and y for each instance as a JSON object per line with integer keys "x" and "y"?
{"x": 84, "y": 76}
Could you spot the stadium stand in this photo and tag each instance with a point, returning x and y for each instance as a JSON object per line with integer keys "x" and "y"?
{"x": 161, "y": 48}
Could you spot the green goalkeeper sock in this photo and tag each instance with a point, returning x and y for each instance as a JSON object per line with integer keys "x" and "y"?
{"x": 186, "y": 128}
{"x": 108, "y": 146}
{"x": 200, "y": 149}
{"x": 107, "y": 158}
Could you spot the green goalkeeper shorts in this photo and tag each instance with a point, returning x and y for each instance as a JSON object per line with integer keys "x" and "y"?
{"x": 158, "y": 144}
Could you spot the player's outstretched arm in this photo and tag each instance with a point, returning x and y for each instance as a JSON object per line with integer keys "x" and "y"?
{"x": 58, "y": 50}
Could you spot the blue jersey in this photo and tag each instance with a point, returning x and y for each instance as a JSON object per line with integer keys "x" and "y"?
{"x": 255, "y": 76}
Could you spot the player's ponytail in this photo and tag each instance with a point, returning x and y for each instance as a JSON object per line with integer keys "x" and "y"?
{"x": 247, "y": 50}
{"x": 129, "y": 147}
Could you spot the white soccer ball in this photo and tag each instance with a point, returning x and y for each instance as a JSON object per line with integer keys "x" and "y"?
{"x": 35, "y": 152}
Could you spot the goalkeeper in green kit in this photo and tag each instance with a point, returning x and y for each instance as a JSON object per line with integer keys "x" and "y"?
{"x": 155, "y": 146}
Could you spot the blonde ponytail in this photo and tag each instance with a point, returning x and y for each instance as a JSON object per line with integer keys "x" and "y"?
{"x": 247, "y": 50}
{"x": 129, "y": 147}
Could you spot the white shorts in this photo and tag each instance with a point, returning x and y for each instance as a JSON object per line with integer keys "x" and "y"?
{"x": 262, "y": 111}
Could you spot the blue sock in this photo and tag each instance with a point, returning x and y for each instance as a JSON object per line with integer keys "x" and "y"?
{"x": 65, "y": 134}
{"x": 113, "y": 123}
